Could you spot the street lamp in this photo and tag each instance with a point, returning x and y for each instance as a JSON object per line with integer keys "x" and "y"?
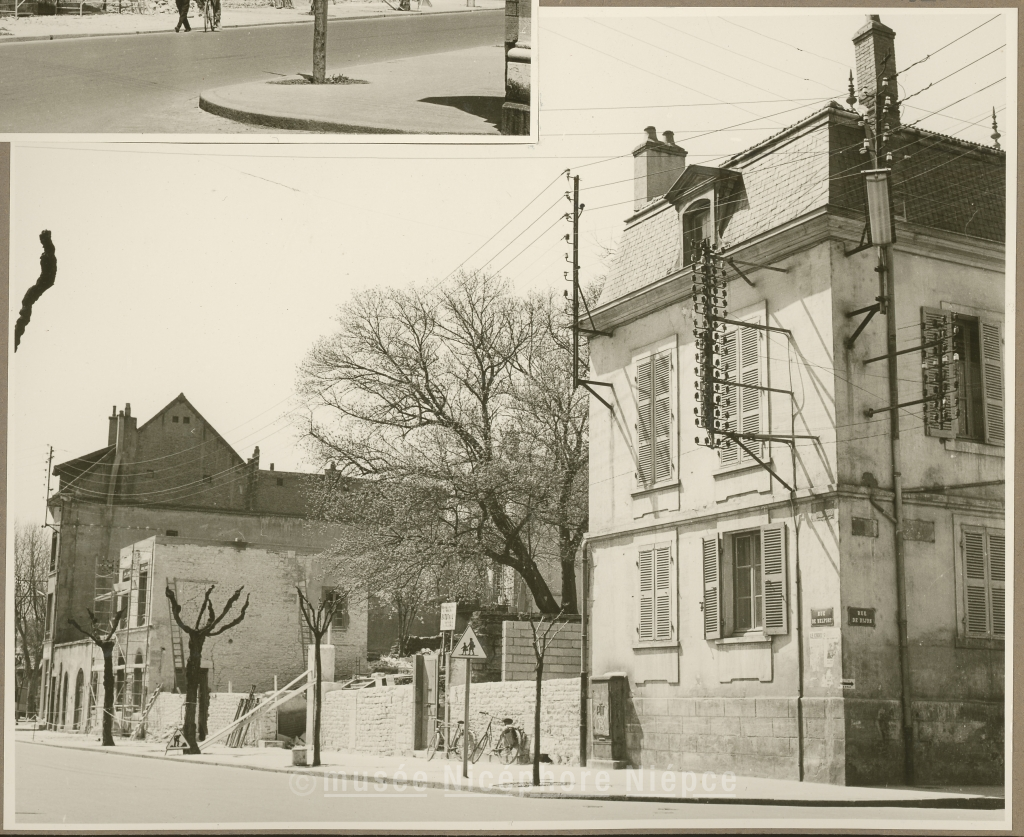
{"x": 879, "y": 217}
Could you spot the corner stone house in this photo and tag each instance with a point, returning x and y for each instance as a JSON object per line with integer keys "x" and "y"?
{"x": 756, "y": 618}
{"x": 174, "y": 488}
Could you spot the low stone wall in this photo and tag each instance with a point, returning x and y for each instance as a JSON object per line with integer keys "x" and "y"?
{"x": 519, "y": 662}
{"x": 559, "y": 712}
{"x": 167, "y": 713}
{"x": 377, "y": 720}
{"x": 959, "y": 743}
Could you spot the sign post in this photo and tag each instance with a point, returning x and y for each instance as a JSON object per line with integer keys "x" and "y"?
{"x": 467, "y": 648}
{"x": 448, "y": 610}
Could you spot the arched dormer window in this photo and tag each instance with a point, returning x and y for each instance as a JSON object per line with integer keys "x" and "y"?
{"x": 696, "y": 229}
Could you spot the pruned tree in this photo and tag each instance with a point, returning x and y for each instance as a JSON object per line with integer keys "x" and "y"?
{"x": 31, "y": 569}
{"x": 318, "y": 619}
{"x": 106, "y": 642}
{"x": 436, "y": 388}
{"x": 319, "y": 10}
{"x": 197, "y": 635}
{"x": 542, "y": 638}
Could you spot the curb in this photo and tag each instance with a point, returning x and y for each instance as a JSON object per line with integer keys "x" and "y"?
{"x": 983, "y": 803}
{"x": 17, "y": 39}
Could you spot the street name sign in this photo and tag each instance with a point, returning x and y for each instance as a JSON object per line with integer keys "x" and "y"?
{"x": 448, "y": 616}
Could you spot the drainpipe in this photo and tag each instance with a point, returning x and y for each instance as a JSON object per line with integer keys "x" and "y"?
{"x": 799, "y": 581}
{"x": 584, "y": 653}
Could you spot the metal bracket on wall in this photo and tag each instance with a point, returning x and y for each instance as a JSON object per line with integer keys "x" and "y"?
{"x": 870, "y": 310}
{"x": 865, "y": 242}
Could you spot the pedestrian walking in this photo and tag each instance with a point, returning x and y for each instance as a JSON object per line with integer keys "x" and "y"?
{"x": 183, "y": 15}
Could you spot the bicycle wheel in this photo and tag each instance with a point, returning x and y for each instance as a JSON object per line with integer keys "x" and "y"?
{"x": 435, "y": 742}
{"x": 508, "y": 746}
{"x": 481, "y": 745}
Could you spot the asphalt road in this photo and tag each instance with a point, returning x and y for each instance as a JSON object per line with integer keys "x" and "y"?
{"x": 68, "y": 787}
{"x": 151, "y": 83}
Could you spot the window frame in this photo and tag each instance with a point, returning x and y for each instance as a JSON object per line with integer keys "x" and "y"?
{"x": 700, "y": 203}
{"x": 664, "y": 597}
{"x": 650, "y": 355}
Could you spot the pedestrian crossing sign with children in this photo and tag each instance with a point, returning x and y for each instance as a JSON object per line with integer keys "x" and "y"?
{"x": 468, "y": 647}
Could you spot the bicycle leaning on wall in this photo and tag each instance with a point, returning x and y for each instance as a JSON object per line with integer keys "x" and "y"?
{"x": 503, "y": 738}
{"x": 447, "y": 738}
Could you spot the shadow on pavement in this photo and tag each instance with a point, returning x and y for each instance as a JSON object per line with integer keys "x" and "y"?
{"x": 486, "y": 107}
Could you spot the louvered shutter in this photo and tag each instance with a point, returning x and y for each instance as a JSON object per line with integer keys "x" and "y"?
{"x": 646, "y": 626}
{"x": 975, "y": 583}
{"x": 773, "y": 579}
{"x": 644, "y": 430}
{"x": 712, "y": 590}
{"x": 997, "y": 581}
{"x": 750, "y": 399}
{"x": 663, "y": 592}
{"x": 729, "y": 453}
{"x": 662, "y": 397}
{"x": 935, "y": 321}
{"x": 992, "y": 380}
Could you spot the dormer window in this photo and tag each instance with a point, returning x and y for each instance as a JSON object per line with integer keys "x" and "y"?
{"x": 696, "y": 230}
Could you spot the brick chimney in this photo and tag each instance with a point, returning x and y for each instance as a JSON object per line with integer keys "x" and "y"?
{"x": 657, "y": 164}
{"x": 875, "y": 50}
{"x": 112, "y": 428}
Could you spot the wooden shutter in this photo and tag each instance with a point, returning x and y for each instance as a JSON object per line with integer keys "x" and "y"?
{"x": 729, "y": 453}
{"x": 646, "y": 626}
{"x": 644, "y": 429}
{"x": 975, "y": 583}
{"x": 663, "y": 592}
{"x": 712, "y": 590}
{"x": 992, "y": 380}
{"x": 750, "y": 399}
{"x": 997, "y": 581}
{"x": 773, "y": 579}
{"x": 662, "y": 397}
{"x": 933, "y": 322}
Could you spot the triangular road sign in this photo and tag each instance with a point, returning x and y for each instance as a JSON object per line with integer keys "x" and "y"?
{"x": 469, "y": 647}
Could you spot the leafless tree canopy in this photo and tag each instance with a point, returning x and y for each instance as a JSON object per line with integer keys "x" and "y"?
{"x": 455, "y": 406}
{"x": 31, "y": 567}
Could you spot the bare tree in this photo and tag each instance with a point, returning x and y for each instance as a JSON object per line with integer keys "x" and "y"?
{"x": 541, "y": 640}
{"x": 429, "y": 386}
{"x": 318, "y": 620}
{"x": 197, "y": 636}
{"x": 319, "y": 10}
{"x": 106, "y": 645}
{"x": 31, "y": 568}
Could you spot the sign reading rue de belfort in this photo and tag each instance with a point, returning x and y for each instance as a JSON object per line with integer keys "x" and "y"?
{"x": 821, "y": 616}
{"x": 862, "y": 616}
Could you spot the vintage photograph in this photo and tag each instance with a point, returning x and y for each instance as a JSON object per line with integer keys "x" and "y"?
{"x": 648, "y": 476}
{"x": 438, "y": 70}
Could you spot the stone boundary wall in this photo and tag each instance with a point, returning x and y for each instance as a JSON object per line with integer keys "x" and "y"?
{"x": 518, "y": 661}
{"x": 559, "y": 713}
{"x": 167, "y": 714}
{"x": 377, "y": 720}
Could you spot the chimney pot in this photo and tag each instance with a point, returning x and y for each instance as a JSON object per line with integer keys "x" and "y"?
{"x": 113, "y": 411}
{"x": 652, "y": 133}
{"x": 271, "y": 466}
{"x": 657, "y": 165}
{"x": 670, "y": 137}
{"x": 127, "y": 409}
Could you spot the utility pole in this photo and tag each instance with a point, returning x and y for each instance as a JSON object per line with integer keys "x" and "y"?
{"x": 877, "y": 142}
{"x": 575, "y": 280}
{"x": 584, "y": 654}
{"x": 49, "y": 470}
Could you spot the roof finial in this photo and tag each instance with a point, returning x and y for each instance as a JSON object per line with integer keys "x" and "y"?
{"x": 851, "y": 100}
{"x": 995, "y": 129}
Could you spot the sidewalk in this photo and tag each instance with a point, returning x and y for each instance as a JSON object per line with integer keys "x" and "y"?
{"x": 457, "y": 92}
{"x": 360, "y": 772}
{"x": 163, "y": 18}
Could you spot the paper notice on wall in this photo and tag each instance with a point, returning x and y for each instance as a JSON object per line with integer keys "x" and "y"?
{"x": 833, "y": 645}
{"x": 816, "y": 639}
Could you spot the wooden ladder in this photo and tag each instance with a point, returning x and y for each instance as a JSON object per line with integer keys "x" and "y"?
{"x": 141, "y": 725}
{"x": 177, "y": 644}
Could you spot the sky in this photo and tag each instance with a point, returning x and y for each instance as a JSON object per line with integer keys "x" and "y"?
{"x": 211, "y": 270}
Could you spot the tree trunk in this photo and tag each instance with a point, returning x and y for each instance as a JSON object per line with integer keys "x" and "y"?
{"x": 570, "y": 604}
{"x": 204, "y": 697}
{"x": 538, "y": 587}
{"x": 192, "y": 675}
{"x": 317, "y": 700}
{"x": 108, "y": 694}
{"x": 319, "y": 41}
{"x": 536, "y": 724}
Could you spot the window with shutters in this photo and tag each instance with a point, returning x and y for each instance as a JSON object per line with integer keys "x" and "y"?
{"x": 656, "y": 420}
{"x": 977, "y": 354}
{"x": 697, "y": 229}
{"x": 656, "y": 617}
{"x": 743, "y": 407}
{"x": 745, "y": 583}
{"x": 983, "y": 583}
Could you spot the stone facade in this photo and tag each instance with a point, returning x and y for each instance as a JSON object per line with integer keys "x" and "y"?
{"x": 378, "y": 720}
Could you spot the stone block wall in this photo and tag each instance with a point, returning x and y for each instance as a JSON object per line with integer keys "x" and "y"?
{"x": 167, "y": 714}
{"x": 958, "y": 742}
{"x": 378, "y": 720}
{"x": 559, "y": 718}
{"x": 518, "y": 661}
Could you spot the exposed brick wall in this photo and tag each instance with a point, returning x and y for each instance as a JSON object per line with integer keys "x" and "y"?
{"x": 519, "y": 662}
{"x": 559, "y": 712}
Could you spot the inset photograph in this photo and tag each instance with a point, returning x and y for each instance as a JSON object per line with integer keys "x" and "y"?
{"x": 430, "y": 68}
